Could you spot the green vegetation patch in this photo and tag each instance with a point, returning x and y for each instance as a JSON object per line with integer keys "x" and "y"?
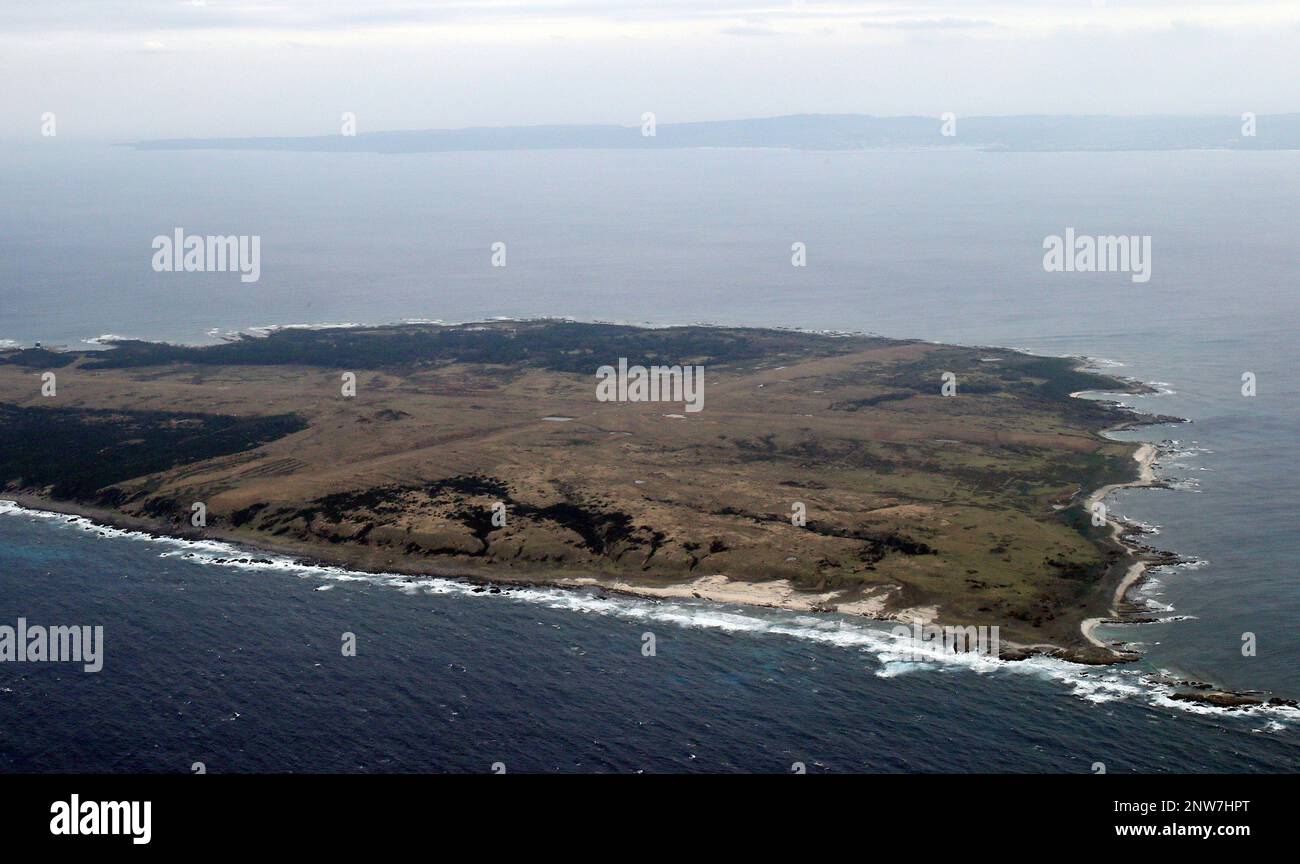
{"x": 78, "y": 452}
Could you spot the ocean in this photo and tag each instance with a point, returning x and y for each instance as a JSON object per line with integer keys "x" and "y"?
{"x": 239, "y": 667}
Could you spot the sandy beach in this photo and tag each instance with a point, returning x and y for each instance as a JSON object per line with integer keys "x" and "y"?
{"x": 776, "y": 594}
{"x": 1145, "y": 456}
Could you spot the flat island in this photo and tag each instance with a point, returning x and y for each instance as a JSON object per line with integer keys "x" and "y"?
{"x": 824, "y": 472}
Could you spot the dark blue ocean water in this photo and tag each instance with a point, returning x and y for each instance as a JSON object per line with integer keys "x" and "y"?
{"x": 243, "y": 670}
{"x": 938, "y": 246}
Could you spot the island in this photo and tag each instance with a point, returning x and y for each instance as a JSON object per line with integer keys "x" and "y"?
{"x": 896, "y": 479}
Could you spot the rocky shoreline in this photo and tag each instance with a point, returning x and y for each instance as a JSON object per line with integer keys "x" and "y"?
{"x": 1186, "y": 690}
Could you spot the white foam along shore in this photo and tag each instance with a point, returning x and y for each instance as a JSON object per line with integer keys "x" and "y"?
{"x": 1145, "y": 456}
{"x": 1089, "y": 683}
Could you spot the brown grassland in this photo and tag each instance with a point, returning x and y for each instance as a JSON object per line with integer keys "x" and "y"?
{"x": 965, "y": 509}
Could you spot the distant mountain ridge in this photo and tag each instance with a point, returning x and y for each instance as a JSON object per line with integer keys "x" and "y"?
{"x": 810, "y": 132}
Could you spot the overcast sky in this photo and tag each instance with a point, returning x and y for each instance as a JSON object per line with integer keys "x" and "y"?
{"x": 162, "y": 68}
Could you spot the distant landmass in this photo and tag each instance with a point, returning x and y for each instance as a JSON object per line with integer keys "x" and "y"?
{"x": 813, "y": 132}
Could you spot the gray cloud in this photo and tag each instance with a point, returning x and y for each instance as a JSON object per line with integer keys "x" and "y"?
{"x": 749, "y": 30}
{"x": 329, "y": 15}
{"x": 929, "y": 24}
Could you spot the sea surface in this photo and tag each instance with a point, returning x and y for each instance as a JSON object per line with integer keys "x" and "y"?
{"x": 239, "y": 666}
